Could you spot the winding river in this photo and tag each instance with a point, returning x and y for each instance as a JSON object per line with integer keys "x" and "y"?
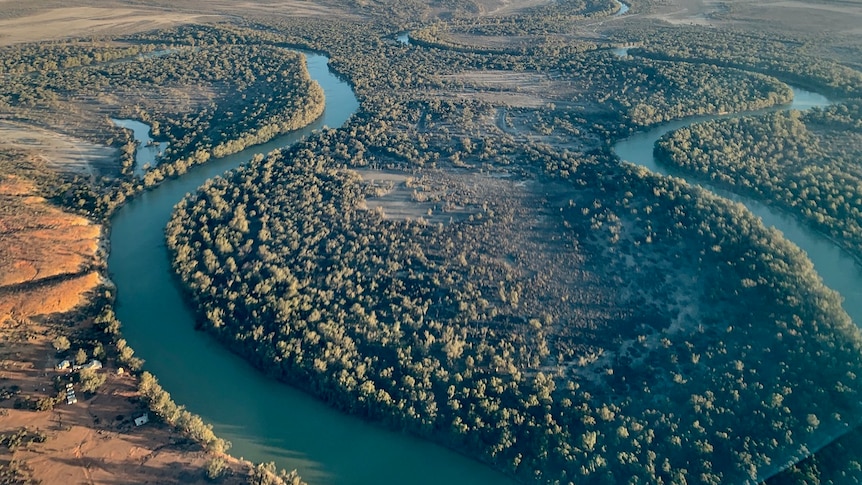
{"x": 148, "y": 150}
{"x": 837, "y": 268}
{"x": 265, "y": 420}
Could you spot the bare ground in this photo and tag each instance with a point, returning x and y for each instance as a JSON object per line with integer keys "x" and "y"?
{"x": 67, "y": 22}
{"x": 49, "y": 262}
{"x": 88, "y": 18}
{"x": 39, "y": 242}
{"x": 507, "y": 7}
{"x": 837, "y": 18}
{"x": 510, "y": 89}
{"x": 91, "y": 441}
{"x": 59, "y": 152}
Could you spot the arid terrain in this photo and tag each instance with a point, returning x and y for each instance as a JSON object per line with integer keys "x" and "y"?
{"x": 51, "y": 267}
{"x": 83, "y": 21}
{"x": 93, "y": 440}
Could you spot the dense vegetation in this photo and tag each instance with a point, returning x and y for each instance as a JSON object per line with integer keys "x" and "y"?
{"x": 377, "y": 318}
{"x": 45, "y": 57}
{"x": 807, "y": 163}
{"x": 207, "y": 98}
{"x": 654, "y": 92}
{"x": 792, "y": 59}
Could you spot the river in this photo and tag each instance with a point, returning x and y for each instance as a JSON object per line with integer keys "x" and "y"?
{"x": 148, "y": 150}
{"x": 265, "y": 420}
{"x": 837, "y": 268}
{"x": 624, "y": 8}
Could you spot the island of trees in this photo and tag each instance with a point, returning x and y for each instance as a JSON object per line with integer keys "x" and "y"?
{"x": 604, "y": 324}
{"x": 806, "y": 163}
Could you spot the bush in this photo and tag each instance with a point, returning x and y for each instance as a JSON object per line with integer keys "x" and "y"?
{"x": 46, "y": 403}
{"x": 91, "y": 380}
{"x": 61, "y": 343}
{"x": 265, "y": 474}
{"x": 81, "y": 356}
{"x": 216, "y": 468}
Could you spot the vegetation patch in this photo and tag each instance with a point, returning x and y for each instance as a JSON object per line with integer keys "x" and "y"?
{"x": 808, "y": 164}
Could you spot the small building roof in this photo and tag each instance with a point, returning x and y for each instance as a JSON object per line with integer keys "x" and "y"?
{"x": 93, "y": 364}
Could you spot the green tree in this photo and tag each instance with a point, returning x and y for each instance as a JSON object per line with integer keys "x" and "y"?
{"x": 61, "y": 343}
{"x": 92, "y": 380}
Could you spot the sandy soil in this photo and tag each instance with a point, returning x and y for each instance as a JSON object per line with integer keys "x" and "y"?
{"x": 46, "y": 261}
{"x": 837, "y": 18}
{"x": 492, "y": 42}
{"x": 402, "y": 197}
{"x": 59, "y": 152}
{"x": 39, "y": 241}
{"x": 512, "y": 89}
{"x": 70, "y": 22}
{"x": 51, "y": 297}
{"x": 93, "y": 440}
{"x": 290, "y": 8}
{"x": 833, "y": 17}
{"x": 692, "y": 12}
{"x": 508, "y": 7}
{"x": 94, "y": 19}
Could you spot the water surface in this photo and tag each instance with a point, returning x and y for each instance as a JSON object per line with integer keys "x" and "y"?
{"x": 148, "y": 150}
{"x": 265, "y": 420}
{"x": 623, "y": 9}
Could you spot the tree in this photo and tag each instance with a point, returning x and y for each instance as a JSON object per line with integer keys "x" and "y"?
{"x": 61, "y": 343}
{"x": 216, "y": 468}
{"x": 81, "y": 356}
{"x": 91, "y": 380}
{"x": 265, "y": 474}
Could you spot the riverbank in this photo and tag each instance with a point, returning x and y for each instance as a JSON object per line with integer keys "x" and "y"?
{"x": 325, "y": 445}
{"x": 50, "y": 281}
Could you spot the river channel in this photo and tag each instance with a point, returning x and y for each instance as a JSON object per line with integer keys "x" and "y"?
{"x": 838, "y": 269}
{"x": 265, "y": 420}
{"x": 148, "y": 150}
{"x": 835, "y": 266}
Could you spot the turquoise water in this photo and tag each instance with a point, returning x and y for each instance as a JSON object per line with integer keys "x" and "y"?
{"x": 265, "y": 420}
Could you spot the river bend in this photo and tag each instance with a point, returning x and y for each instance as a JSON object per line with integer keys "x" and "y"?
{"x": 267, "y": 421}
{"x": 837, "y": 268}
{"x": 263, "y": 419}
